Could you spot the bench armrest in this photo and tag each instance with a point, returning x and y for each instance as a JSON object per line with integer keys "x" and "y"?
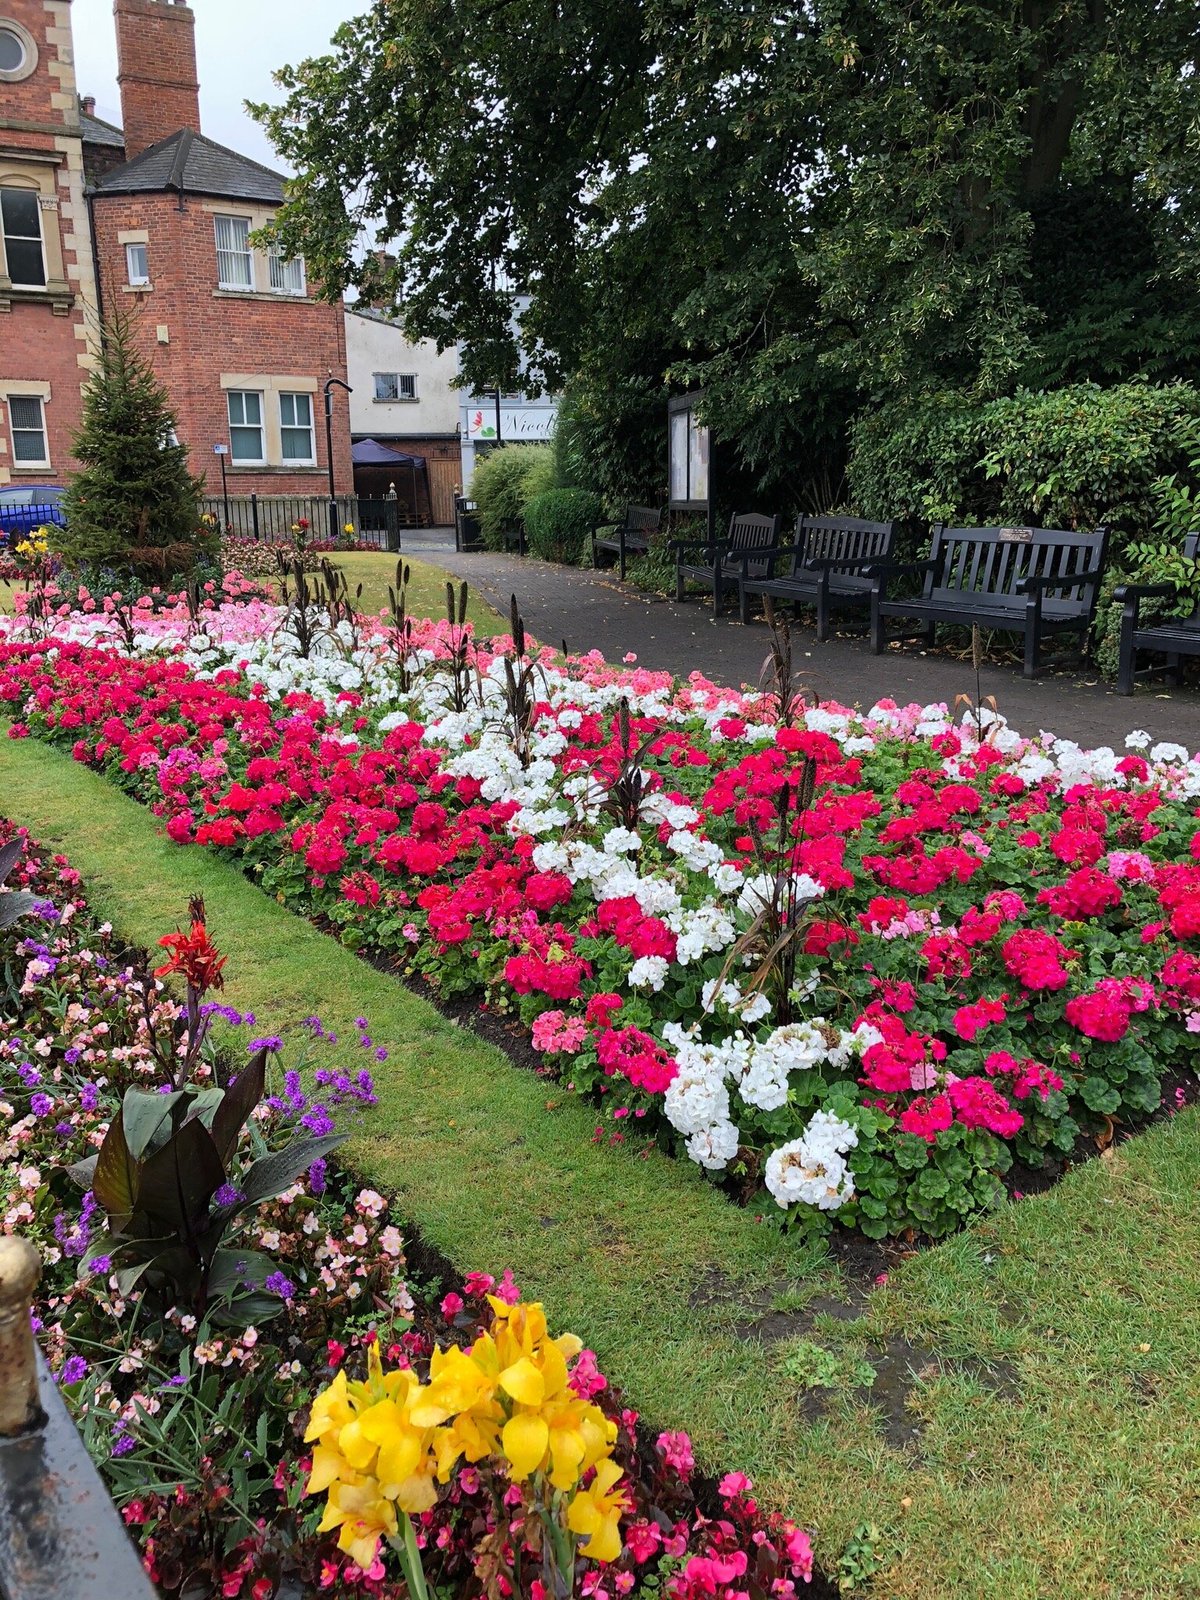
{"x": 1069, "y": 581}
{"x": 1144, "y": 591}
{"x": 898, "y": 569}
{"x": 696, "y": 544}
{"x": 766, "y": 552}
{"x": 606, "y": 527}
{"x": 842, "y": 563}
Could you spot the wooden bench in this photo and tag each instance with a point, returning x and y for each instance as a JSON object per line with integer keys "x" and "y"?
{"x": 628, "y": 537}
{"x": 513, "y": 535}
{"x": 1173, "y": 637}
{"x": 828, "y": 565}
{"x": 747, "y": 550}
{"x": 1032, "y": 581}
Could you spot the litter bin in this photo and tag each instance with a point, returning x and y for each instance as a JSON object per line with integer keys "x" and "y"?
{"x": 467, "y": 532}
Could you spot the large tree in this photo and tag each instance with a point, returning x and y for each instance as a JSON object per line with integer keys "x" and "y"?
{"x": 804, "y": 209}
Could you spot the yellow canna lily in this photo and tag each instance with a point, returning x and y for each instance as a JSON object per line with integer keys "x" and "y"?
{"x": 362, "y": 1515}
{"x": 331, "y": 1410}
{"x": 596, "y": 1513}
{"x": 525, "y": 1440}
{"x": 524, "y": 1382}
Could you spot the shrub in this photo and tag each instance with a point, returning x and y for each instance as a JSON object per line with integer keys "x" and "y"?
{"x": 558, "y": 523}
{"x": 1071, "y": 457}
{"x": 503, "y": 484}
{"x": 133, "y": 493}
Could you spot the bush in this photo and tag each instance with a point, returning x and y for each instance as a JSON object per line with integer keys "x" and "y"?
{"x": 1068, "y": 458}
{"x": 133, "y": 504}
{"x": 558, "y": 522}
{"x": 503, "y": 484}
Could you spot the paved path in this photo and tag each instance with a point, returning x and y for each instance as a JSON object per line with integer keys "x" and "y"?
{"x": 593, "y": 610}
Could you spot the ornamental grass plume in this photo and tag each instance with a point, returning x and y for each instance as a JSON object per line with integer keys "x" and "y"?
{"x": 384, "y": 1445}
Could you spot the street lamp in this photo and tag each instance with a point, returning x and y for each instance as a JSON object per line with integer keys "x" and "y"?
{"x": 221, "y": 451}
{"x": 334, "y": 526}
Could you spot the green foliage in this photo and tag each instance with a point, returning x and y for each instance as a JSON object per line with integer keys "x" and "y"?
{"x": 559, "y": 521}
{"x": 133, "y": 501}
{"x": 14, "y": 903}
{"x": 504, "y": 482}
{"x": 1072, "y": 457}
{"x": 167, "y": 1180}
{"x": 882, "y": 198}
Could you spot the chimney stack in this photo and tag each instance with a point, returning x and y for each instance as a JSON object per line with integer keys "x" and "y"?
{"x": 156, "y": 71}
{"x": 87, "y": 104}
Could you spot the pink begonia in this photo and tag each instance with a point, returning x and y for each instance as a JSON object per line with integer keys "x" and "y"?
{"x": 477, "y": 1284}
{"x": 676, "y": 1451}
{"x": 507, "y": 1290}
{"x": 452, "y": 1304}
{"x": 733, "y": 1485}
{"x": 586, "y": 1378}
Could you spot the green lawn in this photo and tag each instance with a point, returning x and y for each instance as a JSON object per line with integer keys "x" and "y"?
{"x": 426, "y": 587}
{"x": 375, "y": 571}
{"x": 1059, "y": 1393}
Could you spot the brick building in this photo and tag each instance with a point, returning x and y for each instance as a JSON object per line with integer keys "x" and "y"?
{"x": 47, "y": 285}
{"x": 234, "y": 332}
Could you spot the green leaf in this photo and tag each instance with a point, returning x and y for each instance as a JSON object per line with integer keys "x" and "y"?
{"x": 1099, "y": 1096}
{"x": 232, "y": 1270}
{"x": 115, "y": 1177}
{"x": 145, "y": 1114}
{"x": 271, "y": 1175}
{"x": 238, "y": 1101}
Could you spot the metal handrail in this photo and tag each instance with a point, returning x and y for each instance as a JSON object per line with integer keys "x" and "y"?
{"x": 60, "y": 1535}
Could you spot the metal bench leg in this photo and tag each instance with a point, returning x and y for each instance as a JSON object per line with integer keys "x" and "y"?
{"x": 823, "y": 610}
{"x": 1172, "y": 674}
{"x": 621, "y": 559}
{"x": 678, "y": 582}
{"x": 743, "y": 604}
{"x": 929, "y": 635}
{"x": 1127, "y": 669}
{"x": 1033, "y": 642}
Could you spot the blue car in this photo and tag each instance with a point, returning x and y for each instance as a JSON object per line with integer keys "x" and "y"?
{"x": 26, "y": 507}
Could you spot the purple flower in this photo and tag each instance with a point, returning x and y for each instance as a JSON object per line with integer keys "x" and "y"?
{"x": 271, "y": 1041}
{"x": 361, "y": 1024}
{"x": 89, "y": 1097}
{"x": 41, "y": 1105}
{"x": 71, "y": 1057}
{"x": 318, "y": 1121}
{"x": 177, "y": 1382}
{"x": 228, "y": 1195}
{"x": 100, "y": 1266}
{"x": 316, "y": 1176}
{"x": 123, "y": 1445}
{"x": 381, "y": 1054}
{"x": 276, "y": 1283}
{"x": 64, "y": 1130}
{"x": 29, "y": 1074}
{"x": 74, "y": 1370}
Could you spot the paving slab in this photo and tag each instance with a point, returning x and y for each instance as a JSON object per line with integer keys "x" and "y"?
{"x": 594, "y": 611}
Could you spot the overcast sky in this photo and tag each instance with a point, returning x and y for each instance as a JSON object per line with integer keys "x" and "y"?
{"x": 239, "y": 43}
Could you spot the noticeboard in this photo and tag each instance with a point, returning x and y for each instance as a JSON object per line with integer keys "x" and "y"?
{"x": 688, "y": 455}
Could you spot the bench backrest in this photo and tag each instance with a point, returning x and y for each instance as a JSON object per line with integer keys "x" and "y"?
{"x": 750, "y": 531}
{"x": 844, "y": 539}
{"x": 993, "y": 561}
{"x": 642, "y": 519}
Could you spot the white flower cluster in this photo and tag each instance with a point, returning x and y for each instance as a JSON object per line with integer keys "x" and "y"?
{"x": 812, "y": 1170}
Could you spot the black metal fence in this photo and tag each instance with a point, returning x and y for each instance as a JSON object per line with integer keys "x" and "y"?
{"x": 281, "y": 517}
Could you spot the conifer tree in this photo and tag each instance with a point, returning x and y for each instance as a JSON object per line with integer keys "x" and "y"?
{"x": 133, "y": 493}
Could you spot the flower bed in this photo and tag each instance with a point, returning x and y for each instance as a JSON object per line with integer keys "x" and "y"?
{"x": 861, "y": 960}
{"x": 197, "y": 1410}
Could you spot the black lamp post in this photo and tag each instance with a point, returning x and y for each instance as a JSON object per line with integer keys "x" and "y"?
{"x": 334, "y": 526}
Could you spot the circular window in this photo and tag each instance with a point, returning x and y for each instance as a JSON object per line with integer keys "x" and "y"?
{"x": 12, "y": 50}
{"x": 18, "y": 52}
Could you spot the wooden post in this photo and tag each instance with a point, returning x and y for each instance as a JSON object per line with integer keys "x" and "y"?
{"x": 20, "y": 1269}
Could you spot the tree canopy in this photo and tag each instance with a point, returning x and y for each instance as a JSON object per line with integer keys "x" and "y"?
{"x": 807, "y": 210}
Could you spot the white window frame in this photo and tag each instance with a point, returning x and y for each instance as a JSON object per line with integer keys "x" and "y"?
{"x": 400, "y": 380}
{"x": 240, "y": 227}
{"x": 137, "y": 279}
{"x": 18, "y": 461}
{"x": 278, "y": 269}
{"x": 242, "y": 425}
{"x": 35, "y": 196}
{"x": 310, "y": 460}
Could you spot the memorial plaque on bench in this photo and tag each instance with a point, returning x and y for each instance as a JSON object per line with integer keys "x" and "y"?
{"x": 1016, "y": 535}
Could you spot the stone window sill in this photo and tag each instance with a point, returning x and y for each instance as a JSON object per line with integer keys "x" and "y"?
{"x": 274, "y": 297}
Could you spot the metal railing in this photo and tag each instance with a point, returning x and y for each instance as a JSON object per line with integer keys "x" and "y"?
{"x": 60, "y": 1535}
{"x": 281, "y": 517}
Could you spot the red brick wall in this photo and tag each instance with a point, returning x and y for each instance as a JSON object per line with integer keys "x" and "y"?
{"x": 156, "y": 71}
{"x": 39, "y": 343}
{"x": 212, "y": 332}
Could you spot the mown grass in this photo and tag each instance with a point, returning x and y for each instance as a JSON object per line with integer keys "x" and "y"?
{"x": 1074, "y": 1474}
{"x": 375, "y": 571}
{"x": 426, "y": 587}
